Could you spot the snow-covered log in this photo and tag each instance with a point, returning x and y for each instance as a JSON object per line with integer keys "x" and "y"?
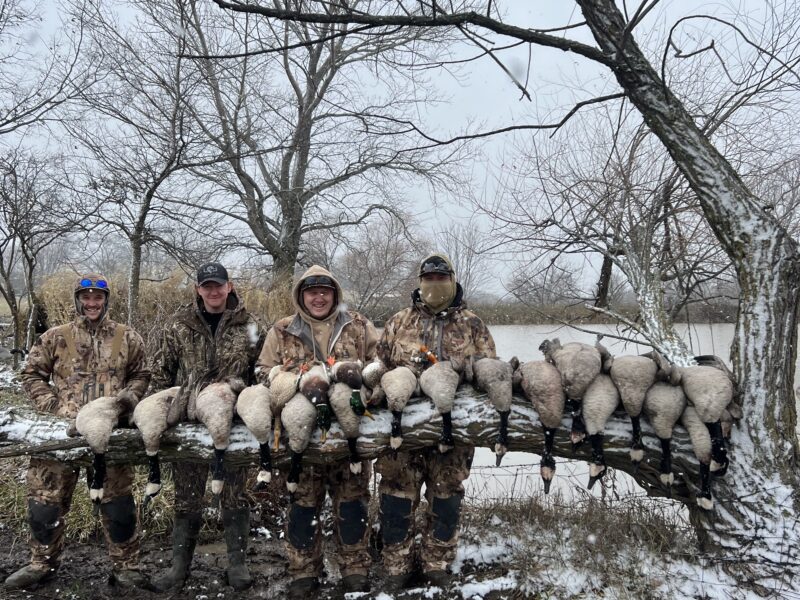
{"x": 475, "y": 421}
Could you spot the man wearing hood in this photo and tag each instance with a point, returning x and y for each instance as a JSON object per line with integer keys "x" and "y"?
{"x": 211, "y": 339}
{"x": 69, "y": 366}
{"x": 438, "y": 322}
{"x": 321, "y": 329}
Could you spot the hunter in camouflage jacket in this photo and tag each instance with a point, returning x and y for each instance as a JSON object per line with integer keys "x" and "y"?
{"x": 188, "y": 348}
{"x": 450, "y": 333}
{"x": 455, "y": 333}
{"x": 298, "y": 339}
{"x": 190, "y": 352}
{"x": 74, "y": 363}
{"x": 68, "y": 366}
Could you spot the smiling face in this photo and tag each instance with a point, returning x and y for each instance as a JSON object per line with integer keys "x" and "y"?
{"x": 92, "y": 304}
{"x": 318, "y": 301}
{"x": 214, "y": 295}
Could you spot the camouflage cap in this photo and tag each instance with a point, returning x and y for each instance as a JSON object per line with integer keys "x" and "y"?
{"x": 92, "y": 281}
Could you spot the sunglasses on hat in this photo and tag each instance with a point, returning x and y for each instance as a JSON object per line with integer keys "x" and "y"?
{"x": 436, "y": 265}
{"x": 93, "y": 283}
{"x": 317, "y": 281}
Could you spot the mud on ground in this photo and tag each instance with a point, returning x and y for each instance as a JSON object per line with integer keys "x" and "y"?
{"x": 85, "y": 570}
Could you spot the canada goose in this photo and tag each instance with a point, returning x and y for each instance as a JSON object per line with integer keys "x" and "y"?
{"x": 633, "y": 376}
{"x": 541, "y": 384}
{"x": 299, "y": 418}
{"x": 150, "y": 417}
{"x": 253, "y": 407}
{"x": 214, "y": 408}
{"x": 282, "y": 382}
{"x": 701, "y": 445}
{"x": 439, "y": 382}
{"x": 600, "y": 400}
{"x": 494, "y": 377}
{"x": 95, "y": 421}
{"x": 399, "y": 384}
{"x": 578, "y": 364}
{"x": 664, "y": 405}
{"x": 709, "y": 390}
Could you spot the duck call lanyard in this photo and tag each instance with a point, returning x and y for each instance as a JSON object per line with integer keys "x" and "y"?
{"x": 425, "y": 354}
{"x": 94, "y": 388}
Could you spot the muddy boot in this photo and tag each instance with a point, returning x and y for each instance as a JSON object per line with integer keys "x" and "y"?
{"x": 129, "y": 579}
{"x": 355, "y": 583}
{"x": 237, "y": 529}
{"x": 303, "y": 588}
{"x": 29, "y": 576}
{"x": 438, "y": 578}
{"x": 184, "y": 539}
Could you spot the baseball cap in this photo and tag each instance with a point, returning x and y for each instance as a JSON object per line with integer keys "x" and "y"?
{"x": 212, "y": 272}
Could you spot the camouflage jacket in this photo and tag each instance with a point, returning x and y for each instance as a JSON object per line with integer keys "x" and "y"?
{"x": 71, "y": 364}
{"x": 353, "y": 337}
{"x": 188, "y": 348}
{"x": 455, "y": 333}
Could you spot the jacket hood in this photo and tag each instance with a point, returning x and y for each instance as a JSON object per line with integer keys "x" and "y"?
{"x": 315, "y": 270}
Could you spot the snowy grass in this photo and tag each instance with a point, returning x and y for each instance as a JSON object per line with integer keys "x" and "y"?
{"x": 548, "y": 547}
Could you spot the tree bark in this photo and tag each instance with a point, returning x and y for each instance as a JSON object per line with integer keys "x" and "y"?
{"x": 475, "y": 422}
{"x": 756, "y": 523}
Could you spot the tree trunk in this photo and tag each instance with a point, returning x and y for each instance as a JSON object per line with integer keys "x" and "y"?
{"x": 604, "y": 283}
{"x": 475, "y": 422}
{"x": 134, "y": 275}
{"x": 755, "y": 524}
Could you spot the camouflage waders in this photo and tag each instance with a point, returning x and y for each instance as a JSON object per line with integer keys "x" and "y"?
{"x": 50, "y": 488}
{"x": 190, "y": 487}
{"x": 401, "y": 481}
{"x": 350, "y": 497}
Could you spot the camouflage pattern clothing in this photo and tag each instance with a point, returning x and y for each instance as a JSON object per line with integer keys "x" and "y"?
{"x": 190, "y": 351}
{"x": 454, "y": 333}
{"x": 350, "y": 499}
{"x": 350, "y": 336}
{"x": 67, "y": 367}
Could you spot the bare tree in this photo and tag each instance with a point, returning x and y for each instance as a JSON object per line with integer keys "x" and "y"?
{"x": 39, "y": 76}
{"x": 763, "y": 254}
{"x": 465, "y": 245}
{"x": 311, "y": 122}
{"x": 32, "y": 216}
{"x": 378, "y": 266}
{"x": 133, "y": 129}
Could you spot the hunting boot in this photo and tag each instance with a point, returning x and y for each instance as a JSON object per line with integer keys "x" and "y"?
{"x": 237, "y": 529}
{"x": 29, "y": 576}
{"x": 184, "y": 539}
{"x": 129, "y": 579}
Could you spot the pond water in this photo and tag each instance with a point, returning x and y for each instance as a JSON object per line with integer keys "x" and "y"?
{"x": 518, "y": 476}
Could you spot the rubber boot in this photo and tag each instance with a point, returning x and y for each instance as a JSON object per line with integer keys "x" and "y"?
{"x": 237, "y": 530}
{"x": 28, "y": 576}
{"x": 130, "y": 579}
{"x": 184, "y": 539}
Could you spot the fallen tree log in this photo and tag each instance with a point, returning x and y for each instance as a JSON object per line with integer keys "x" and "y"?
{"x": 26, "y": 432}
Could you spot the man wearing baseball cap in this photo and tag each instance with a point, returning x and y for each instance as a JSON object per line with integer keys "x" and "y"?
{"x": 211, "y": 339}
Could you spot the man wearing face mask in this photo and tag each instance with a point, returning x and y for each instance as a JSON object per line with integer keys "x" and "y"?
{"x": 437, "y": 326}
